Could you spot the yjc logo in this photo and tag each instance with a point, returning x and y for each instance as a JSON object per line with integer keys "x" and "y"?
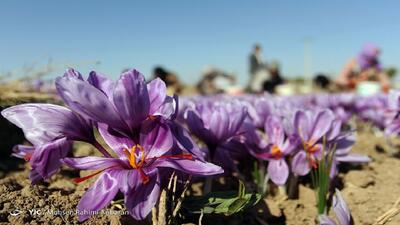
{"x": 34, "y": 212}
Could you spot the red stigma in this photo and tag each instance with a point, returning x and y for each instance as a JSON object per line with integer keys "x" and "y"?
{"x": 28, "y": 157}
{"x": 178, "y": 156}
{"x": 143, "y": 176}
{"x": 81, "y": 179}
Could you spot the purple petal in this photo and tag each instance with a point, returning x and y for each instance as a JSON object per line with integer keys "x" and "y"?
{"x": 46, "y": 158}
{"x": 169, "y": 108}
{"x": 300, "y": 164}
{"x": 131, "y": 98}
{"x": 237, "y": 115}
{"x": 92, "y": 163}
{"x": 128, "y": 179}
{"x": 322, "y": 124}
{"x": 274, "y": 129}
{"x": 194, "y": 167}
{"x": 102, "y": 83}
{"x": 98, "y": 196}
{"x": 73, "y": 73}
{"x": 184, "y": 141}
{"x": 302, "y": 125}
{"x": 156, "y": 138}
{"x": 278, "y": 171}
{"x": 219, "y": 123}
{"x": 341, "y": 209}
{"x": 139, "y": 202}
{"x": 157, "y": 93}
{"x": 22, "y": 151}
{"x": 291, "y": 143}
{"x": 334, "y": 131}
{"x": 197, "y": 127}
{"x": 115, "y": 140}
{"x": 325, "y": 220}
{"x": 344, "y": 144}
{"x": 42, "y": 123}
{"x": 354, "y": 158}
{"x": 87, "y": 100}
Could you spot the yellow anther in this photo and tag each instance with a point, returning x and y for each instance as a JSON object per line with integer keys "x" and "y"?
{"x": 131, "y": 155}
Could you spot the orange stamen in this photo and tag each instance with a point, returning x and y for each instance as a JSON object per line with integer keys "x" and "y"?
{"x": 131, "y": 155}
{"x": 276, "y": 152}
{"x": 310, "y": 147}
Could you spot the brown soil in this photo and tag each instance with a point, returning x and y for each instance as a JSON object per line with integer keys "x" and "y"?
{"x": 369, "y": 190}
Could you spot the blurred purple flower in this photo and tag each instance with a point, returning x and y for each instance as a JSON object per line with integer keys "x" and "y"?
{"x": 372, "y": 109}
{"x": 274, "y": 150}
{"x": 311, "y": 127}
{"x": 216, "y": 123}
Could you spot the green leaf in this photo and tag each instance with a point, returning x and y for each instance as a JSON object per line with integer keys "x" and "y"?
{"x": 226, "y": 203}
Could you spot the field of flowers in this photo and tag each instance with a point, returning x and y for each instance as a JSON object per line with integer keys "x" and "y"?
{"x": 124, "y": 152}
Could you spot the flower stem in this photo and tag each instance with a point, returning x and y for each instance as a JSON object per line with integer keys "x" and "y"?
{"x": 207, "y": 185}
{"x": 293, "y": 186}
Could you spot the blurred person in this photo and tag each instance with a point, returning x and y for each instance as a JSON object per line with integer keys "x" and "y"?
{"x": 257, "y": 69}
{"x": 365, "y": 67}
{"x": 275, "y": 78}
{"x": 322, "y": 82}
{"x": 171, "y": 80}
{"x": 215, "y": 81}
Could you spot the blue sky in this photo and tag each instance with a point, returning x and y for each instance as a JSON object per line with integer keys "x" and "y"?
{"x": 186, "y": 36}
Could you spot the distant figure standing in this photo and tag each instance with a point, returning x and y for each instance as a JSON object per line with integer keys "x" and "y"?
{"x": 257, "y": 69}
{"x": 365, "y": 67}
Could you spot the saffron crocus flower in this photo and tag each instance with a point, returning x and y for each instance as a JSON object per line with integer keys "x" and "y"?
{"x": 311, "y": 127}
{"x": 216, "y": 123}
{"x": 50, "y": 128}
{"x": 274, "y": 150}
{"x": 136, "y": 171}
{"x": 341, "y": 210}
{"x": 123, "y": 105}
